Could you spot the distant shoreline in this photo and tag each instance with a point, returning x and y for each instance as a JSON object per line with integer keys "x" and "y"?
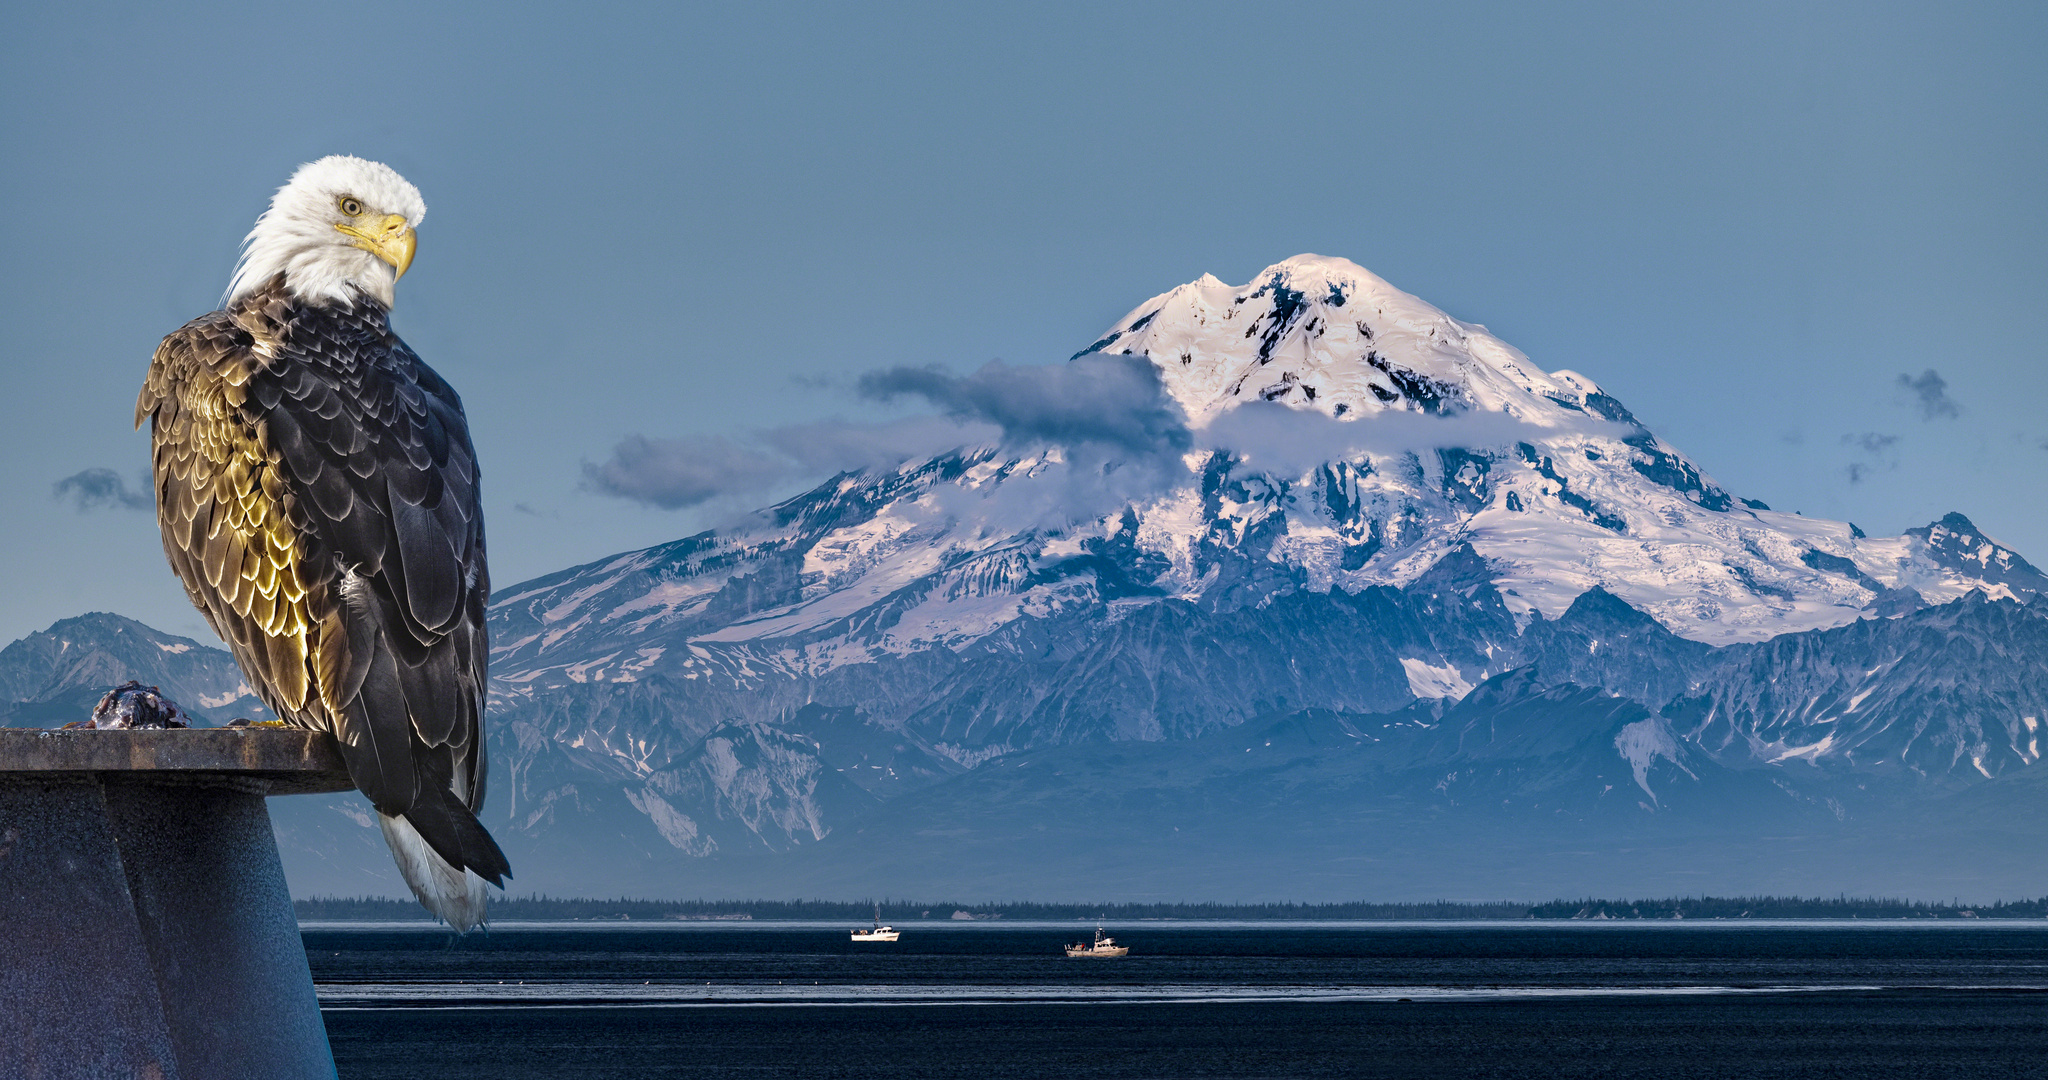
{"x": 557, "y": 909}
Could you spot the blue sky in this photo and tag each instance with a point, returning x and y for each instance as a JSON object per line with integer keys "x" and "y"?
{"x": 1760, "y": 226}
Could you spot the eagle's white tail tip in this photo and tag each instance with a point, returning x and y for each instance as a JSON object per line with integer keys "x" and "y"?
{"x": 457, "y": 896}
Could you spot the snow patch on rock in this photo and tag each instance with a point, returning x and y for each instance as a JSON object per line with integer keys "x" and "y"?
{"x": 1428, "y": 681}
{"x": 1642, "y": 743}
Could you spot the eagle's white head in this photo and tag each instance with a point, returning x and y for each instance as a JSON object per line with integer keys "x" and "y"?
{"x": 339, "y": 230}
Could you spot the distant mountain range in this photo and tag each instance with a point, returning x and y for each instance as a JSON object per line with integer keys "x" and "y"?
{"x": 51, "y": 678}
{"x": 1393, "y": 614}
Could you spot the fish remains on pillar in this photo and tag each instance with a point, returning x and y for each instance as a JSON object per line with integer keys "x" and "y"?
{"x": 317, "y": 493}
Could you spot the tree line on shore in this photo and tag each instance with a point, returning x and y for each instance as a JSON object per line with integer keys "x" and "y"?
{"x": 541, "y": 908}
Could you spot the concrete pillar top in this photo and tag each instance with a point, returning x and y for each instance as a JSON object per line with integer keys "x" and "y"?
{"x": 292, "y": 761}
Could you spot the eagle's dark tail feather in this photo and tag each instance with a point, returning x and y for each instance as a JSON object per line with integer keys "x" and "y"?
{"x": 456, "y": 835}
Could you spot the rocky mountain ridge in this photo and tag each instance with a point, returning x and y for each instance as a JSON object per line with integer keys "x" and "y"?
{"x": 55, "y": 676}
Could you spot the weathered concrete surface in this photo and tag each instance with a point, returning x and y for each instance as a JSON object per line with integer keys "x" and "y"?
{"x": 145, "y": 926}
{"x": 80, "y": 992}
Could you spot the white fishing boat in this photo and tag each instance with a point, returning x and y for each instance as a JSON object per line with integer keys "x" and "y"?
{"x": 1104, "y": 945}
{"x": 879, "y": 932}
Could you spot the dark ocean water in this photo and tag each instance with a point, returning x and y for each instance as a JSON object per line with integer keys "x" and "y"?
{"x": 994, "y": 1001}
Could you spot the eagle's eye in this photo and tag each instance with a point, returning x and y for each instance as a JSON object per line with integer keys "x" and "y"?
{"x": 350, "y": 206}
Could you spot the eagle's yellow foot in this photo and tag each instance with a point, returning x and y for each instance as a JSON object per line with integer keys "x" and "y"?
{"x": 242, "y": 723}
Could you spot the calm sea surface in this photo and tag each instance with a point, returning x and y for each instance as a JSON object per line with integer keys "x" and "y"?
{"x": 991, "y": 1001}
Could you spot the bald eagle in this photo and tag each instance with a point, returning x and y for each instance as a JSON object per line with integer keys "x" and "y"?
{"x": 317, "y": 493}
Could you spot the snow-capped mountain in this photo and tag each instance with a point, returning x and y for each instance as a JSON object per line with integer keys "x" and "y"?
{"x": 1550, "y": 479}
{"x": 1345, "y": 435}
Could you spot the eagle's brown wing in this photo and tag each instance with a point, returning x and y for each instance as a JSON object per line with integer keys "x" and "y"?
{"x": 317, "y": 493}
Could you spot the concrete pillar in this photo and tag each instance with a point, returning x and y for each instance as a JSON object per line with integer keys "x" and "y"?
{"x": 145, "y": 926}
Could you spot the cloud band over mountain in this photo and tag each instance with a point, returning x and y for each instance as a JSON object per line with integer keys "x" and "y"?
{"x": 1106, "y": 414}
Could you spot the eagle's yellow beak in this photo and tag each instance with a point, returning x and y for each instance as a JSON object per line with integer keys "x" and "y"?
{"x": 389, "y": 239}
